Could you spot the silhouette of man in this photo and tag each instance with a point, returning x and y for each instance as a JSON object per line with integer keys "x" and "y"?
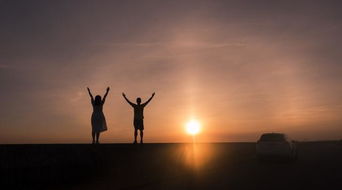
{"x": 138, "y": 121}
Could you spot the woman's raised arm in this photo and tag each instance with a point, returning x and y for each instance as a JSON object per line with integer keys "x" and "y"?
{"x": 91, "y": 96}
{"x": 105, "y": 96}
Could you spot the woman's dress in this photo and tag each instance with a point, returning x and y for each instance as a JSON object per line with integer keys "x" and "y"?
{"x": 98, "y": 120}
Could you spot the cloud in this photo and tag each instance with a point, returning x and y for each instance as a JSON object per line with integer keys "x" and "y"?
{"x": 175, "y": 44}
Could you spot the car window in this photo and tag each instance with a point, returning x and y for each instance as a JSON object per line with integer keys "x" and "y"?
{"x": 273, "y": 137}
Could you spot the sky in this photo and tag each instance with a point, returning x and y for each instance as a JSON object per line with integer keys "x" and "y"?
{"x": 241, "y": 68}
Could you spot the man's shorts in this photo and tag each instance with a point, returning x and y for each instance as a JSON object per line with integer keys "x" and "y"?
{"x": 139, "y": 124}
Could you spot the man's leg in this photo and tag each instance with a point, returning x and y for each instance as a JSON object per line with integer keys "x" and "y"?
{"x": 97, "y": 138}
{"x": 141, "y": 136}
{"x": 93, "y": 135}
{"x": 135, "y": 135}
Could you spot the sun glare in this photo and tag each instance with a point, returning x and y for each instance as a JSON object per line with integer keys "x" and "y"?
{"x": 193, "y": 127}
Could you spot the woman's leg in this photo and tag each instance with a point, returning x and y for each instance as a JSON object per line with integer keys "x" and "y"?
{"x": 93, "y": 135}
{"x": 97, "y": 137}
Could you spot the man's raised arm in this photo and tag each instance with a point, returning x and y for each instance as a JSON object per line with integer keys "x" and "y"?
{"x": 124, "y": 95}
{"x": 148, "y": 101}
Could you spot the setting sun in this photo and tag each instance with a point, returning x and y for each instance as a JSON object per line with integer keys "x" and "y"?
{"x": 193, "y": 127}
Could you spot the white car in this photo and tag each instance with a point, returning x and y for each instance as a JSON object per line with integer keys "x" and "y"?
{"x": 276, "y": 145}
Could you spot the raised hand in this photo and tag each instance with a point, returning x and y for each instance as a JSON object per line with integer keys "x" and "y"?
{"x": 105, "y": 96}
{"x": 144, "y": 104}
{"x": 124, "y": 95}
{"x": 91, "y": 96}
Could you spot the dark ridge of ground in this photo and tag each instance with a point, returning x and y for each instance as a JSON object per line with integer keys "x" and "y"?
{"x": 167, "y": 166}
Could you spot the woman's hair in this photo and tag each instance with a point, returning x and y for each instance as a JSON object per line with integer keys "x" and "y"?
{"x": 98, "y": 100}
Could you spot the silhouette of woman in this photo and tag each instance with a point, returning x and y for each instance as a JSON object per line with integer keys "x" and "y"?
{"x": 98, "y": 120}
